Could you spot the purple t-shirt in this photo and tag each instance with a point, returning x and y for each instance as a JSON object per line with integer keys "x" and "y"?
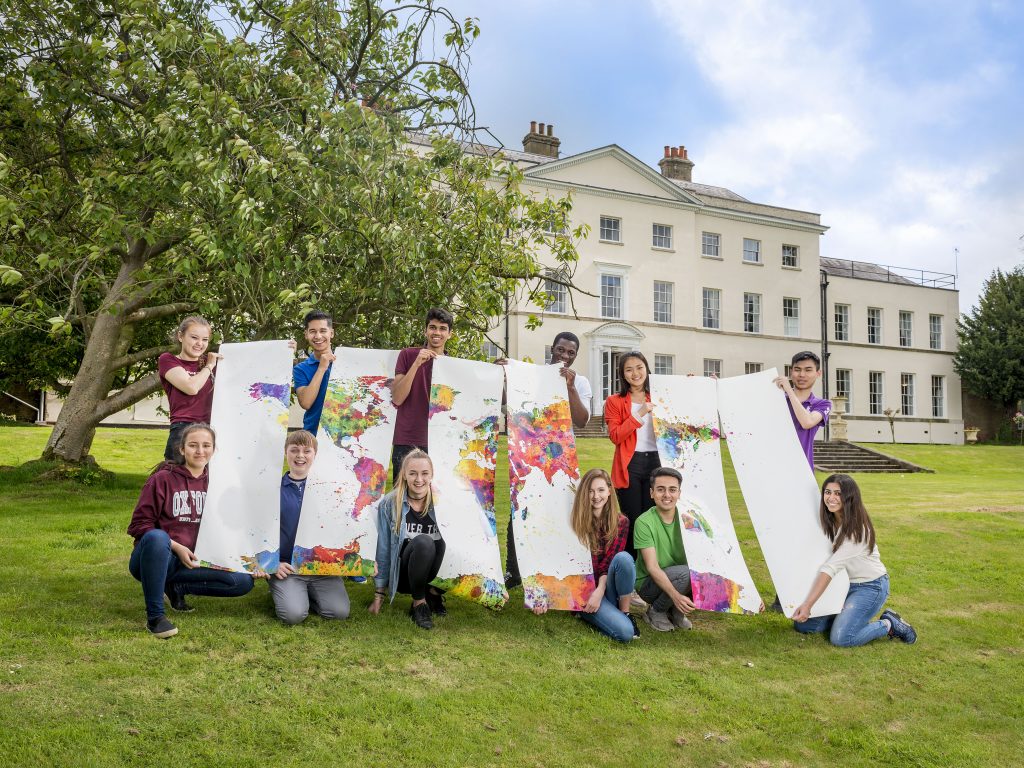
{"x": 813, "y": 404}
{"x": 191, "y": 409}
{"x": 411, "y": 420}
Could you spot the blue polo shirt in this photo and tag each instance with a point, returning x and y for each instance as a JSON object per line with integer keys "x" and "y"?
{"x": 302, "y": 374}
{"x": 291, "y": 506}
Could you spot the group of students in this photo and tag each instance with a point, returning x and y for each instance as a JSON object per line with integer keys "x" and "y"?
{"x": 637, "y": 554}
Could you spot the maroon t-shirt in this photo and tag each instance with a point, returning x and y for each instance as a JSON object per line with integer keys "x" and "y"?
{"x": 190, "y": 409}
{"x": 411, "y": 421}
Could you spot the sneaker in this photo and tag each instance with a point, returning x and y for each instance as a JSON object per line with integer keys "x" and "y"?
{"x": 678, "y": 619}
{"x": 421, "y": 615}
{"x": 177, "y": 599}
{"x": 659, "y": 620}
{"x": 511, "y": 581}
{"x": 898, "y": 628}
{"x": 435, "y": 599}
{"x": 776, "y": 605}
{"x": 636, "y": 629}
{"x": 357, "y": 579}
{"x": 637, "y": 603}
{"x": 161, "y": 627}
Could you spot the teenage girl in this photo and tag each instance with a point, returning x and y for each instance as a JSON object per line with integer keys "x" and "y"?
{"x": 409, "y": 544}
{"x": 165, "y": 525}
{"x": 187, "y": 378}
{"x": 845, "y": 521}
{"x": 631, "y": 427}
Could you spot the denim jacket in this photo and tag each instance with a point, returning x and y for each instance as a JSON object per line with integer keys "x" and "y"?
{"x": 389, "y": 543}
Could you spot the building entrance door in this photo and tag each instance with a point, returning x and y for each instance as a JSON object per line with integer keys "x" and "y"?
{"x": 610, "y": 379}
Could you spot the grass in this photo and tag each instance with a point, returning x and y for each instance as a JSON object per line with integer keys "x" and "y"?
{"x": 82, "y": 682}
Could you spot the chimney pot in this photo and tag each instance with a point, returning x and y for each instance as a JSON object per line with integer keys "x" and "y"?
{"x": 533, "y": 126}
{"x": 676, "y": 164}
{"x": 550, "y": 129}
{"x": 682, "y": 153}
{"x": 675, "y": 152}
{"x": 667, "y": 148}
{"x": 541, "y": 129}
{"x": 541, "y": 140}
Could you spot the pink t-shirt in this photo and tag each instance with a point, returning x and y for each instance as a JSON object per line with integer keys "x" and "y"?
{"x": 411, "y": 420}
{"x": 191, "y": 409}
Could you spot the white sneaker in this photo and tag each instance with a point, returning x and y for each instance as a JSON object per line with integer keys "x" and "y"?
{"x": 659, "y": 620}
{"x": 678, "y": 619}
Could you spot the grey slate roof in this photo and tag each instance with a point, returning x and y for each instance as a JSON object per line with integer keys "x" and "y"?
{"x": 861, "y": 270}
{"x": 706, "y": 190}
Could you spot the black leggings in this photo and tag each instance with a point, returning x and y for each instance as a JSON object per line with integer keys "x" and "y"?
{"x": 636, "y": 499}
{"x": 419, "y": 560}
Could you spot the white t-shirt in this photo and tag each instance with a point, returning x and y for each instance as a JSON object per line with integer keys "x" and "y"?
{"x": 645, "y": 434}
{"x": 854, "y": 558}
{"x": 584, "y": 391}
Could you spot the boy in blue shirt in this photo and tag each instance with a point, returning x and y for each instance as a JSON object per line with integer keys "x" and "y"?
{"x": 310, "y": 375}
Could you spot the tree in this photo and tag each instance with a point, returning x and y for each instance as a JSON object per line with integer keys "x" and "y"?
{"x": 246, "y": 160}
{"x": 990, "y": 358}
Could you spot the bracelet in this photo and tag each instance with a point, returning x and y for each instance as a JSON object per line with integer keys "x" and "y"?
{"x": 379, "y": 593}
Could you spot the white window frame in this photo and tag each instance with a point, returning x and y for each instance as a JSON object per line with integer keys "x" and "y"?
{"x": 665, "y": 302}
{"x": 935, "y": 331}
{"x": 795, "y": 252}
{"x": 753, "y": 367}
{"x": 938, "y": 397}
{"x": 559, "y": 304}
{"x": 790, "y": 316}
{"x": 876, "y": 392}
{"x": 491, "y": 350}
{"x": 847, "y": 381}
{"x": 906, "y": 328}
{"x": 907, "y": 404}
{"x": 612, "y": 270}
{"x": 844, "y": 335}
{"x": 617, "y": 229}
{"x": 878, "y": 329}
{"x": 664, "y": 364}
{"x": 712, "y": 367}
{"x": 707, "y": 245}
{"x": 756, "y": 250}
{"x": 665, "y": 236}
{"x": 706, "y": 294}
{"x": 755, "y": 316}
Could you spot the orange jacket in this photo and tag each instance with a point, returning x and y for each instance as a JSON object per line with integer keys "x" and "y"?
{"x": 622, "y": 427}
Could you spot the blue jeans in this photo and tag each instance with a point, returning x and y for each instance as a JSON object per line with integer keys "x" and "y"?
{"x": 608, "y": 618}
{"x": 853, "y": 625}
{"x": 158, "y": 568}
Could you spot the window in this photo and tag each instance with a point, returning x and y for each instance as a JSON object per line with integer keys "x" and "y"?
{"x": 876, "y": 384}
{"x": 907, "y": 394}
{"x": 712, "y": 367}
{"x": 935, "y": 332}
{"x": 611, "y": 229}
{"x": 786, "y": 369}
{"x": 662, "y": 302}
{"x": 491, "y": 350}
{"x": 558, "y": 296}
{"x": 844, "y": 387}
{"x": 752, "y": 367}
{"x": 790, "y": 256}
{"x": 547, "y": 354}
{"x": 709, "y": 245}
{"x": 712, "y": 308}
{"x": 611, "y": 296}
{"x": 555, "y": 225}
{"x": 791, "y": 317}
{"x": 906, "y": 328}
{"x": 661, "y": 236}
{"x": 842, "y": 316}
{"x": 874, "y": 325}
{"x": 751, "y": 251}
{"x": 752, "y": 312}
{"x": 664, "y": 364}
{"x": 938, "y": 397}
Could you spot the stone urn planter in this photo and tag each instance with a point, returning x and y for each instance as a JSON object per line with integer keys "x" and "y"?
{"x": 971, "y": 434}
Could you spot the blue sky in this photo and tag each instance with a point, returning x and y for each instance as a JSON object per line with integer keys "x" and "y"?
{"x": 901, "y": 123}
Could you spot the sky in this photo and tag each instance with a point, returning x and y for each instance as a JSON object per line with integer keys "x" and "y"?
{"x": 902, "y": 123}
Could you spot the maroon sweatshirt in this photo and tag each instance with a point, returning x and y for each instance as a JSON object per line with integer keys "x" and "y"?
{"x": 171, "y": 500}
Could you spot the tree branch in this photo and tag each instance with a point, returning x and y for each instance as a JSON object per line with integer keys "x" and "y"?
{"x": 137, "y": 357}
{"x": 152, "y": 313}
{"x": 128, "y": 396}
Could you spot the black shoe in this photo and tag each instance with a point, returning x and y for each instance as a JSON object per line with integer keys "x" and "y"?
{"x": 435, "y": 599}
{"x": 776, "y": 605}
{"x": 636, "y": 629}
{"x": 161, "y": 627}
{"x": 511, "y": 582}
{"x": 898, "y": 628}
{"x": 421, "y": 615}
{"x": 177, "y": 599}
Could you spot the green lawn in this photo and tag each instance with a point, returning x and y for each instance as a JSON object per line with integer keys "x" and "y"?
{"x": 83, "y": 683}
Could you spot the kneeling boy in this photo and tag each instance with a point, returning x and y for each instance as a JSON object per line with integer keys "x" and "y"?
{"x": 294, "y": 594}
{"x": 662, "y": 576}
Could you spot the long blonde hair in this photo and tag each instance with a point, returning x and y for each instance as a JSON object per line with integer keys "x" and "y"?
{"x": 590, "y": 529}
{"x": 402, "y": 488}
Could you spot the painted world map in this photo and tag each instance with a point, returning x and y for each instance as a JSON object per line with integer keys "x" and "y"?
{"x": 543, "y": 440}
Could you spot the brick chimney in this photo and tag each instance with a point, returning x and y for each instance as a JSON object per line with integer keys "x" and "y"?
{"x": 540, "y": 141}
{"x": 676, "y": 165}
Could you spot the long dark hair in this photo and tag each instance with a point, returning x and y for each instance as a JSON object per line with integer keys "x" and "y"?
{"x": 624, "y": 386}
{"x": 855, "y": 524}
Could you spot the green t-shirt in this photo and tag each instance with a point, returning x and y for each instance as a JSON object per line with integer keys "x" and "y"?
{"x": 667, "y": 540}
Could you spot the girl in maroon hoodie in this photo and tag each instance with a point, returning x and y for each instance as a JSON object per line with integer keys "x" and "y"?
{"x": 165, "y": 524}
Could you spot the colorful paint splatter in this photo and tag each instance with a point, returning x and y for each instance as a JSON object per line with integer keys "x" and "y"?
{"x": 567, "y": 593}
{"x": 352, "y": 406}
{"x": 673, "y": 437}
{"x": 265, "y": 561}
{"x": 477, "y": 466}
{"x": 488, "y": 592}
{"x": 540, "y": 439}
{"x": 694, "y": 520}
{"x": 716, "y": 593}
{"x": 442, "y": 398}
{"x": 261, "y": 390}
{"x": 325, "y": 561}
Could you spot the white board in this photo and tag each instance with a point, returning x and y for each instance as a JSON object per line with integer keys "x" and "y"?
{"x": 337, "y": 533}
{"x": 556, "y": 567}
{"x": 779, "y": 489}
{"x": 462, "y": 431}
{"x": 241, "y": 521}
{"x": 686, "y": 428}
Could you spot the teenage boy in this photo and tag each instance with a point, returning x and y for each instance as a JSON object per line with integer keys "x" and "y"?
{"x": 310, "y": 375}
{"x": 809, "y": 411}
{"x": 294, "y": 595}
{"x": 411, "y": 390}
{"x": 662, "y": 576}
{"x": 563, "y": 350}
